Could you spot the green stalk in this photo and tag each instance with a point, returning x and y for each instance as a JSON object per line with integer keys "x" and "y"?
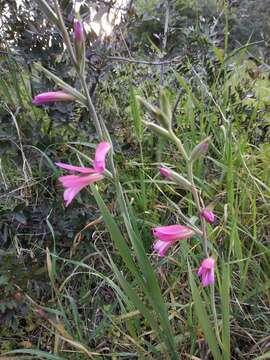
{"x": 151, "y": 287}
{"x": 196, "y": 198}
{"x": 198, "y": 203}
{"x": 91, "y": 106}
{"x": 194, "y": 190}
{"x": 226, "y": 30}
{"x": 63, "y": 30}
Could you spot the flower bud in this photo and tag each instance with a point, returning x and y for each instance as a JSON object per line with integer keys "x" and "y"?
{"x": 208, "y": 215}
{"x": 52, "y": 96}
{"x": 157, "y": 129}
{"x": 165, "y": 172}
{"x": 18, "y": 296}
{"x": 200, "y": 149}
{"x": 79, "y": 44}
{"x": 177, "y": 178}
{"x": 78, "y": 32}
{"x": 155, "y": 112}
{"x": 165, "y": 106}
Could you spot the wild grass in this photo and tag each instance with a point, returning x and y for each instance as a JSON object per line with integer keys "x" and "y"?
{"x": 94, "y": 303}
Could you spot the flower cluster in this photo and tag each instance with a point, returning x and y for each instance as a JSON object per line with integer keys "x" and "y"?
{"x": 166, "y": 236}
{"x": 75, "y": 183}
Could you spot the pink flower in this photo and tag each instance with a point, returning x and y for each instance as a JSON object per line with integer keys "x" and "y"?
{"x": 75, "y": 183}
{"x": 78, "y": 31}
{"x": 166, "y": 236}
{"x": 207, "y": 271}
{"x": 208, "y": 215}
{"x": 101, "y": 152}
{"x": 165, "y": 172}
{"x": 52, "y": 96}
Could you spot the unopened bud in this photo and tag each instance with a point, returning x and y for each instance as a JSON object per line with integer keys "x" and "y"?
{"x": 78, "y": 32}
{"x": 165, "y": 172}
{"x": 155, "y": 112}
{"x": 18, "y": 296}
{"x": 200, "y": 149}
{"x": 208, "y": 215}
{"x": 165, "y": 105}
{"x": 157, "y": 129}
{"x": 79, "y": 44}
{"x": 174, "y": 176}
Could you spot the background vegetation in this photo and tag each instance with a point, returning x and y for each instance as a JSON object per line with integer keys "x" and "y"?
{"x": 215, "y": 69}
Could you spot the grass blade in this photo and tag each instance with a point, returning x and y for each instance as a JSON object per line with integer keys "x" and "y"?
{"x": 154, "y": 292}
{"x": 38, "y": 354}
{"x": 118, "y": 238}
{"x": 132, "y": 295}
{"x": 225, "y": 308}
{"x": 203, "y": 318}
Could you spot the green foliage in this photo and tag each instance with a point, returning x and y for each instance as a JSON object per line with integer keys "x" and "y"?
{"x": 203, "y": 318}
{"x": 222, "y": 94}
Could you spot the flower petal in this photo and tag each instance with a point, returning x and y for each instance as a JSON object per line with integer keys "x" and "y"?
{"x": 208, "y": 263}
{"x": 207, "y": 279}
{"x": 207, "y": 271}
{"x": 200, "y": 271}
{"x": 101, "y": 152}
{"x": 70, "y": 193}
{"x": 162, "y": 247}
{"x": 83, "y": 170}
{"x": 173, "y": 232}
{"x": 76, "y": 180}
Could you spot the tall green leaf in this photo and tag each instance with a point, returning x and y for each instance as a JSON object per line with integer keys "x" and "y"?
{"x": 225, "y": 308}
{"x": 154, "y": 292}
{"x": 137, "y": 301}
{"x": 203, "y": 318}
{"x": 36, "y": 354}
{"x": 150, "y": 284}
{"x": 118, "y": 238}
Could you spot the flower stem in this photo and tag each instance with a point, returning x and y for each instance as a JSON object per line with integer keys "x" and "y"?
{"x": 179, "y": 145}
{"x": 197, "y": 201}
{"x": 65, "y": 34}
{"x": 214, "y": 311}
{"x": 194, "y": 190}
